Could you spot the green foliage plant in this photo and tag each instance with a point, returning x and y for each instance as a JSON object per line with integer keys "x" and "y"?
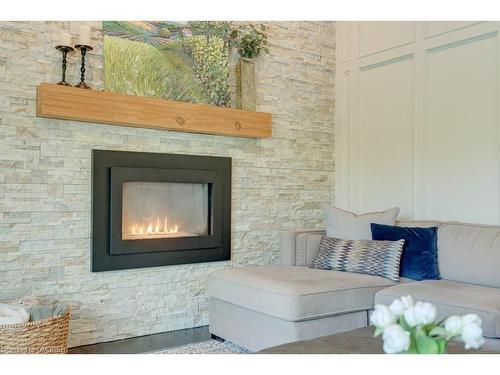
{"x": 250, "y": 41}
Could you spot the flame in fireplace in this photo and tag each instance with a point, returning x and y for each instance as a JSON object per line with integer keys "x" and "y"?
{"x": 155, "y": 229}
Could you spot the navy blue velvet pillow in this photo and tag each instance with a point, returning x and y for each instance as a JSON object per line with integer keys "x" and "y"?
{"x": 419, "y": 258}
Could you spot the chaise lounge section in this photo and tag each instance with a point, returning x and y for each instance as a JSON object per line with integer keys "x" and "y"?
{"x": 259, "y": 307}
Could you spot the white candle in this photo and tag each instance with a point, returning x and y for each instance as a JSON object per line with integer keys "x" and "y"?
{"x": 64, "y": 39}
{"x": 84, "y": 35}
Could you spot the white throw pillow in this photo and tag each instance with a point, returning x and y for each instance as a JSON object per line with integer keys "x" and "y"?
{"x": 350, "y": 226}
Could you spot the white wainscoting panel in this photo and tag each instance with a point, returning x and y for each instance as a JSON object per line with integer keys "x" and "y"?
{"x": 418, "y": 121}
{"x": 379, "y": 36}
{"x": 437, "y": 28}
{"x": 460, "y": 167}
{"x": 385, "y": 133}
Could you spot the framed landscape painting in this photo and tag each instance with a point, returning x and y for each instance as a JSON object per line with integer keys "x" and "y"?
{"x": 184, "y": 61}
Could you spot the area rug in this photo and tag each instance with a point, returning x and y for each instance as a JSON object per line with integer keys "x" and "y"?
{"x": 206, "y": 347}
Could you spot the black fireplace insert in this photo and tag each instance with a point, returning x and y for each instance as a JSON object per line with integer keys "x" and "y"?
{"x": 154, "y": 209}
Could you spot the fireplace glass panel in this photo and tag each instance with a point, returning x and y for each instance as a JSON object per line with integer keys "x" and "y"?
{"x": 164, "y": 210}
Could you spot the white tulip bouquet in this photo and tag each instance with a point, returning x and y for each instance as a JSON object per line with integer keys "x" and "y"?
{"x": 409, "y": 327}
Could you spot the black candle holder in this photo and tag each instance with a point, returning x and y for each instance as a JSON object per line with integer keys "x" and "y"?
{"x": 64, "y": 50}
{"x": 83, "y": 50}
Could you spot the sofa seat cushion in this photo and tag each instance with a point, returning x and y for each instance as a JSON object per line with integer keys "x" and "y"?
{"x": 450, "y": 298}
{"x": 295, "y": 293}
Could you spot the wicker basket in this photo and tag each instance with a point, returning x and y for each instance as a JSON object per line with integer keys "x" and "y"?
{"x": 47, "y": 336}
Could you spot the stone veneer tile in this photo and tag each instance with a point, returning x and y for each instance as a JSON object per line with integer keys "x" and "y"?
{"x": 279, "y": 183}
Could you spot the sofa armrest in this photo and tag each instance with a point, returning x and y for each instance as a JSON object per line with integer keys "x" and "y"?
{"x": 299, "y": 248}
{"x": 287, "y": 248}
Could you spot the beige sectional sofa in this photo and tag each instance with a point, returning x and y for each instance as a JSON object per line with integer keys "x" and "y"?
{"x": 262, "y": 306}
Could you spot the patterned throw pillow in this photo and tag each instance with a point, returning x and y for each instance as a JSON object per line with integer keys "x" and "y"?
{"x": 378, "y": 258}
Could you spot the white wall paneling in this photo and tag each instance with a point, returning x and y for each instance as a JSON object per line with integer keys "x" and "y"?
{"x": 417, "y": 120}
{"x": 380, "y": 36}
{"x": 437, "y": 28}
{"x": 385, "y": 135}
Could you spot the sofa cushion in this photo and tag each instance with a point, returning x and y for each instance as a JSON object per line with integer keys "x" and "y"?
{"x": 450, "y": 298}
{"x": 300, "y": 248}
{"x": 350, "y": 226}
{"x": 469, "y": 253}
{"x": 295, "y": 293}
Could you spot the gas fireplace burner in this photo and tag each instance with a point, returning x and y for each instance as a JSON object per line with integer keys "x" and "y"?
{"x": 159, "y": 209}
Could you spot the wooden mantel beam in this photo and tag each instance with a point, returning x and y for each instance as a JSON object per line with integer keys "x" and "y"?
{"x": 69, "y": 103}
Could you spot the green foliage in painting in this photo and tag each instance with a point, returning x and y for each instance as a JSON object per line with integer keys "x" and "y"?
{"x": 136, "y": 68}
{"x": 220, "y": 29}
{"x": 210, "y": 65}
{"x": 179, "y": 61}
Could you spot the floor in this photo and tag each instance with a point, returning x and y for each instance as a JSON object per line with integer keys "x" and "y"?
{"x": 145, "y": 344}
